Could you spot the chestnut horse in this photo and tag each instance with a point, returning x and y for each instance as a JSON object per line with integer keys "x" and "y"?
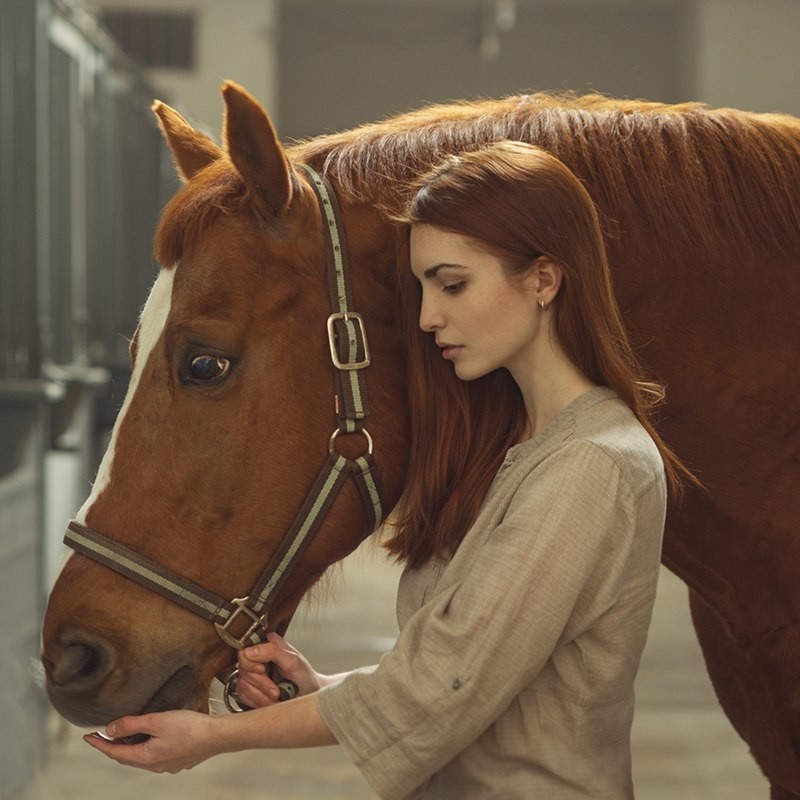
{"x": 231, "y": 405}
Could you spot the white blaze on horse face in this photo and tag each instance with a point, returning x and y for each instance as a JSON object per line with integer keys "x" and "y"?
{"x": 151, "y": 325}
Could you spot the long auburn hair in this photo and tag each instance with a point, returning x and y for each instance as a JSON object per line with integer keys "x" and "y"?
{"x": 518, "y": 202}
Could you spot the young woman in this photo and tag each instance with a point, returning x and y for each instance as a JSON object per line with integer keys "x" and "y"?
{"x": 531, "y": 526}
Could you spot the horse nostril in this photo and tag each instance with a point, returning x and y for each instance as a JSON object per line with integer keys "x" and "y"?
{"x": 79, "y": 663}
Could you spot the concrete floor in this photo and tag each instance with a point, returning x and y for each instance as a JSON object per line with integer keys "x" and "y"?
{"x": 683, "y": 747}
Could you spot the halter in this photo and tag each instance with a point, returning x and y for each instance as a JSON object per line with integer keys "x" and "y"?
{"x": 350, "y": 356}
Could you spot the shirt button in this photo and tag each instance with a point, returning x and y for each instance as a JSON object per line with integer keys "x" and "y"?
{"x": 456, "y": 684}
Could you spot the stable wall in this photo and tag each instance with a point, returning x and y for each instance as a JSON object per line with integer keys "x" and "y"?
{"x": 351, "y": 61}
{"x": 235, "y": 40}
{"x": 320, "y": 65}
{"x": 749, "y": 54}
{"x": 22, "y": 704}
{"x": 355, "y": 61}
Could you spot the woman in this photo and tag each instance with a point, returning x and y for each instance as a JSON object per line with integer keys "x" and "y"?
{"x": 531, "y": 525}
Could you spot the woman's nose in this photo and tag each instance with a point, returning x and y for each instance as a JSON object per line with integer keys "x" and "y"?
{"x": 429, "y": 318}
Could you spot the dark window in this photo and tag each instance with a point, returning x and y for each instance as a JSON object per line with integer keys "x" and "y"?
{"x": 154, "y": 39}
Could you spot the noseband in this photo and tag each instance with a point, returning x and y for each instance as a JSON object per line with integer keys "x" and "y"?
{"x": 244, "y": 621}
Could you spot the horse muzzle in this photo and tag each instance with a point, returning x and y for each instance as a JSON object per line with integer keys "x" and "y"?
{"x": 89, "y": 685}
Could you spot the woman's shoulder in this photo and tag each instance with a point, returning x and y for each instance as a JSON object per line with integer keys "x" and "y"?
{"x": 609, "y": 430}
{"x": 597, "y": 433}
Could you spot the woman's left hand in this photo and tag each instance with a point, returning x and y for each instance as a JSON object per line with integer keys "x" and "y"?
{"x": 256, "y": 688}
{"x": 178, "y": 740}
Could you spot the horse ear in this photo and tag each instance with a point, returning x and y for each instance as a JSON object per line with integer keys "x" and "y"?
{"x": 254, "y": 149}
{"x": 191, "y": 150}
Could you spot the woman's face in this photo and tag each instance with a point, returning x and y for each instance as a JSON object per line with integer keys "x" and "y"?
{"x": 480, "y": 318}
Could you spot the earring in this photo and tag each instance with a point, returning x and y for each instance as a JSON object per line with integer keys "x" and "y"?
{"x": 543, "y": 305}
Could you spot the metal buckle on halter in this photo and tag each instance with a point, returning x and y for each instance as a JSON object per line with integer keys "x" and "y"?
{"x": 347, "y": 316}
{"x": 259, "y": 622}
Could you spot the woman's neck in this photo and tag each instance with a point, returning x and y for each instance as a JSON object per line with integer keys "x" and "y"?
{"x": 549, "y": 388}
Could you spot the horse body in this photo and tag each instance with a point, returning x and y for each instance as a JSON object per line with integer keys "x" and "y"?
{"x": 700, "y": 213}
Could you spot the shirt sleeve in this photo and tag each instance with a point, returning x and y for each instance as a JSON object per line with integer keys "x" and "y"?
{"x": 552, "y": 565}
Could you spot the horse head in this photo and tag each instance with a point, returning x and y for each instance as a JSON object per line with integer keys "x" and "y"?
{"x": 228, "y": 417}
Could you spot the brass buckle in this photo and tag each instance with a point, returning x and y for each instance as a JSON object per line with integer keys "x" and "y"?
{"x": 359, "y": 320}
{"x": 241, "y": 608}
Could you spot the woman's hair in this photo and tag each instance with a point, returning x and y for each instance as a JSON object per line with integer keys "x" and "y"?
{"x": 518, "y": 202}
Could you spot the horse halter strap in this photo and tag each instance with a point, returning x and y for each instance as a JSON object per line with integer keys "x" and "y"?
{"x": 350, "y": 355}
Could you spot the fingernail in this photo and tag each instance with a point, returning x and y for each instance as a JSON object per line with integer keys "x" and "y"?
{"x": 274, "y": 694}
{"x": 111, "y": 729}
{"x": 252, "y": 652}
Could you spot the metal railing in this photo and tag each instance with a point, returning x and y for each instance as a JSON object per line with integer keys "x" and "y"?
{"x": 82, "y": 179}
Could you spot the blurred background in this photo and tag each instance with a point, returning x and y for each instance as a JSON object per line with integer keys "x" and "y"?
{"x": 83, "y": 175}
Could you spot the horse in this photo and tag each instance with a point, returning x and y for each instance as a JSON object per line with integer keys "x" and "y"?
{"x": 254, "y": 325}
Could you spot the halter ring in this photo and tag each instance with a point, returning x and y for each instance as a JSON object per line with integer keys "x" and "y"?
{"x": 335, "y": 434}
{"x": 288, "y": 690}
{"x": 232, "y": 701}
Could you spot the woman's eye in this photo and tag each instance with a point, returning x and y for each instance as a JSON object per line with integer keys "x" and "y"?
{"x": 453, "y": 288}
{"x": 208, "y": 368}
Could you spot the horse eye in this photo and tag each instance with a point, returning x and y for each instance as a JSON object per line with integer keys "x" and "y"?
{"x": 209, "y": 368}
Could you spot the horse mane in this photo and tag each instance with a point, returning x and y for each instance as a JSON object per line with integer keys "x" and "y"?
{"x": 650, "y": 167}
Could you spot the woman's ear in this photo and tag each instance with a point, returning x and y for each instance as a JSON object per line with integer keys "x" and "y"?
{"x": 544, "y": 279}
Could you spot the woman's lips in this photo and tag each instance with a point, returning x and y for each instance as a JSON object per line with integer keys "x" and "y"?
{"x": 449, "y": 351}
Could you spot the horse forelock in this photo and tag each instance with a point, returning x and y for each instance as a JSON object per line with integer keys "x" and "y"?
{"x": 216, "y": 190}
{"x": 152, "y": 322}
{"x": 650, "y": 167}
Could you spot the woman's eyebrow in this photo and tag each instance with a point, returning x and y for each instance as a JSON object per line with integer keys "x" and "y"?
{"x": 432, "y": 271}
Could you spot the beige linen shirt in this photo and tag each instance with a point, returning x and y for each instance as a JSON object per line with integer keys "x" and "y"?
{"x": 512, "y": 676}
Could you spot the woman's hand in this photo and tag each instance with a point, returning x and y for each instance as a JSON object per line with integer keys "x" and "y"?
{"x": 182, "y": 739}
{"x": 178, "y": 740}
{"x": 255, "y": 688}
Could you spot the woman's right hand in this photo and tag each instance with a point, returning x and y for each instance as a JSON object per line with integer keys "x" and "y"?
{"x": 255, "y": 688}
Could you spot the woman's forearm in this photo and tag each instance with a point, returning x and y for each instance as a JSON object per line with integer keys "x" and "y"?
{"x": 295, "y": 723}
{"x": 180, "y": 740}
